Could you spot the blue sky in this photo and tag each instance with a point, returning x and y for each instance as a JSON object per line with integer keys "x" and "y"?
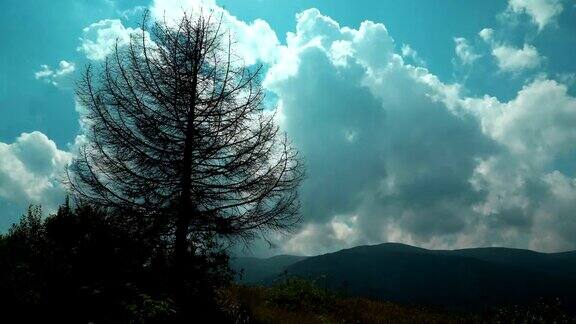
{"x": 437, "y": 123}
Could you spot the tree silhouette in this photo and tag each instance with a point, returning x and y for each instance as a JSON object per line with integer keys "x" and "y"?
{"x": 177, "y": 134}
{"x": 81, "y": 265}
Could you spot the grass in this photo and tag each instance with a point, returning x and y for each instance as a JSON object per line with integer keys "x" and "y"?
{"x": 302, "y": 302}
{"x": 299, "y": 301}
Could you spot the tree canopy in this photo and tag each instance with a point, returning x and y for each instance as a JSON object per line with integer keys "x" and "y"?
{"x": 177, "y": 132}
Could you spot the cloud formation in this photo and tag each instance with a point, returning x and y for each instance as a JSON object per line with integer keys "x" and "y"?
{"x": 529, "y": 185}
{"x": 30, "y": 172}
{"x": 255, "y": 41}
{"x": 394, "y": 154}
{"x": 486, "y": 34}
{"x": 464, "y": 51}
{"x": 513, "y": 59}
{"x": 54, "y": 76}
{"x": 408, "y": 53}
{"x": 542, "y": 12}
{"x": 98, "y": 39}
{"x": 404, "y": 174}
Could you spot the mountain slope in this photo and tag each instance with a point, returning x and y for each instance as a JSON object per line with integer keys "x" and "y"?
{"x": 561, "y": 264}
{"x": 469, "y": 278}
{"x": 257, "y": 271}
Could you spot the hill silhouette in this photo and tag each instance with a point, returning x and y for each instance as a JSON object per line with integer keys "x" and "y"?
{"x": 260, "y": 270}
{"x": 467, "y": 278}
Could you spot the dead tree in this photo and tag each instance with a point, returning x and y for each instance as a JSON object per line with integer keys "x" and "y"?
{"x": 176, "y": 132}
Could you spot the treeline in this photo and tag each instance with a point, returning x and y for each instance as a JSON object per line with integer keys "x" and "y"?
{"x": 84, "y": 265}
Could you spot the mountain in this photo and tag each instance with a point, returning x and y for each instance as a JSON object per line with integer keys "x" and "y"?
{"x": 467, "y": 278}
{"x": 260, "y": 271}
{"x": 561, "y": 264}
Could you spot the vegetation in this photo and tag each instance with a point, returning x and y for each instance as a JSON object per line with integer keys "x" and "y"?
{"x": 466, "y": 279}
{"x": 302, "y": 302}
{"x": 81, "y": 265}
{"x": 181, "y": 156}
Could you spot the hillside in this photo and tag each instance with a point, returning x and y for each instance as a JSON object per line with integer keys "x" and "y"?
{"x": 258, "y": 271}
{"x": 297, "y": 301}
{"x": 300, "y": 302}
{"x": 468, "y": 278}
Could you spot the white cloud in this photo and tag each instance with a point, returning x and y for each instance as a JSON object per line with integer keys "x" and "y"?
{"x": 98, "y": 39}
{"x": 542, "y": 12}
{"x": 410, "y": 53}
{"x": 486, "y": 34}
{"x": 510, "y": 58}
{"x": 539, "y": 119}
{"x": 30, "y": 171}
{"x": 395, "y": 154}
{"x": 314, "y": 238}
{"x": 351, "y": 105}
{"x": 526, "y": 182}
{"x": 426, "y": 165}
{"x": 45, "y": 72}
{"x": 513, "y": 59}
{"x": 256, "y": 41}
{"x": 54, "y": 76}
{"x": 464, "y": 51}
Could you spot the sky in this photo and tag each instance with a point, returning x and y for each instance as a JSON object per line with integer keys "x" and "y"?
{"x": 442, "y": 124}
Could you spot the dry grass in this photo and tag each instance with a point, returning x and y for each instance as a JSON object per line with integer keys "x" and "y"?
{"x": 301, "y": 302}
{"x": 281, "y": 305}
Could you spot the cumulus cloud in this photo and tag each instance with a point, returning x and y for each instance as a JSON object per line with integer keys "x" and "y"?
{"x": 98, "y": 39}
{"x": 54, "y": 76}
{"x": 381, "y": 141}
{"x": 486, "y": 34}
{"x": 464, "y": 51}
{"x": 510, "y": 58}
{"x": 30, "y": 172}
{"x": 411, "y": 54}
{"x": 513, "y": 59}
{"x": 256, "y": 41}
{"x": 395, "y": 154}
{"x": 529, "y": 183}
{"x": 542, "y": 12}
{"x": 337, "y": 233}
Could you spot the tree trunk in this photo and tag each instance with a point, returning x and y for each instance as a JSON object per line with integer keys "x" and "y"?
{"x": 186, "y": 209}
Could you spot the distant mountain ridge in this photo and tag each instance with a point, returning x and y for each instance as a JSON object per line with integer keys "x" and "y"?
{"x": 459, "y": 278}
{"x": 259, "y": 271}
